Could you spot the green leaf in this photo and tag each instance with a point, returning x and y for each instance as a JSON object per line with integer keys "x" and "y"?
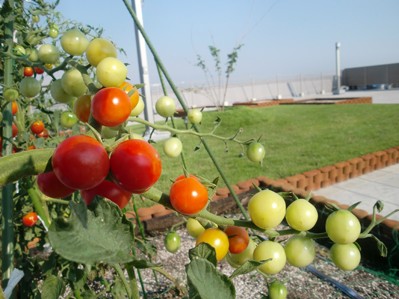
{"x": 53, "y": 287}
{"x": 204, "y": 251}
{"x": 352, "y": 207}
{"x": 381, "y": 246}
{"x": 246, "y": 268}
{"x": 143, "y": 264}
{"x": 89, "y": 237}
{"x": 206, "y": 282}
{"x": 1, "y": 294}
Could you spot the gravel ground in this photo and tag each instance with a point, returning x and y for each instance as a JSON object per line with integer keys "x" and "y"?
{"x": 300, "y": 283}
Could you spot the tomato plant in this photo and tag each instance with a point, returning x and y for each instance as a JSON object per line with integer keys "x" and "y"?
{"x": 58, "y": 93}
{"x": 11, "y": 94}
{"x": 172, "y": 241}
{"x": 301, "y": 215}
{"x": 135, "y": 165}
{"x": 38, "y": 70}
{"x": 72, "y": 83}
{"x": 273, "y": 254}
{"x": 165, "y": 106}
{"x": 48, "y": 54}
{"x": 173, "y": 147}
{"x": 30, "y": 219}
{"x": 68, "y": 119}
{"x": 277, "y": 290}
{"x": 136, "y": 111}
{"x": 29, "y": 87}
{"x": 238, "y": 238}
{"x": 37, "y": 127}
{"x": 80, "y": 162}
{"x": 343, "y": 227}
{"x": 111, "y": 72}
{"x": 51, "y": 186}
{"x": 300, "y": 251}
{"x": 28, "y": 71}
{"x": 111, "y": 106}
{"x": 74, "y": 42}
{"x": 256, "y": 152}
{"x": 345, "y": 256}
{"x": 194, "y": 227}
{"x": 82, "y": 107}
{"x": 98, "y": 49}
{"x": 217, "y": 239}
{"x": 194, "y": 116}
{"x": 132, "y": 92}
{"x": 238, "y": 259}
{"x": 188, "y": 196}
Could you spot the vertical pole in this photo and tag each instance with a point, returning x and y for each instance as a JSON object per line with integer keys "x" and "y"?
{"x": 7, "y": 205}
{"x": 143, "y": 64}
{"x": 338, "y": 67}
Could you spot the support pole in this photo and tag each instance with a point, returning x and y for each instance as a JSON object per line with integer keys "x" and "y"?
{"x": 337, "y": 68}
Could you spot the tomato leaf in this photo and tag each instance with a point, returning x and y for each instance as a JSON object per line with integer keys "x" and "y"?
{"x": 204, "y": 251}
{"x": 143, "y": 264}
{"x": 53, "y": 287}
{"x": 246, "y": 268}
{"x": 88, "y": 237}
{"x": 205, "y": 281}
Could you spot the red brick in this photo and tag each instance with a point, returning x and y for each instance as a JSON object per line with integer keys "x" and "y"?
{"x": 313, "y": 179}
{"x": 393, "y": 156}
{"x": 249, "y": 184}
{"x": 224, "y": 191}
{"x": 163, "y": 213}
{"x": 145, "y": 213}
{"x": 329, "y": 175}
{"x": 297, "y": 181}
{"x": 265, "y": 181}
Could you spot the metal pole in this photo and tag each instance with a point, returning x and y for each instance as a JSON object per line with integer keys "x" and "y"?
{"x": 338, "y": 67}
{"x": 143, "y": 64}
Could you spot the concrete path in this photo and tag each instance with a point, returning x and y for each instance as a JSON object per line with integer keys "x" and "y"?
{"x": 381, "y": 185}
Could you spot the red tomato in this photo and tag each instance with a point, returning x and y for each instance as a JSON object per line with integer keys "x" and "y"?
{"x": 37, "y": 127}
{"x": 51, "y": 186}
{"x": 108, "y": 190}
{"x": 136, "y": 165}
{"x": 14, "y": 107}
{"x": 111, "y": 106}
{"x": 82, "y": 108}
{"x": 28, "y": 71}
{"x": 14, "y": 130}
{"x": 238, "y": 238}
{"x": 30, "y": 219}
{"x": 39, "y": 70}
{"x": 43, "y": 134}
{"x": 80, "y": 162}
{"x": 188, "y": 196}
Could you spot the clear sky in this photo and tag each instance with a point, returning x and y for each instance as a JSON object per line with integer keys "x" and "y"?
{"x": 281, "y": 37}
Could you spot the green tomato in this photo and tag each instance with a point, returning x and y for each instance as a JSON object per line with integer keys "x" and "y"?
{"x": 343, "y": 227}
{"x": 48, "y": 54}
{"x": 238, "y": 259}
{"x": 1, "y": 118}
{"x": 98, "y": 49}
{"x": 11, "y": 94}
{"x": 300, "y": 251}
{"x": 194, "y": 116}
{"x": 58, "y": 93}
{"x": 172, "y": 242}
{"x": 165, "y": 106}
{"x": 172, "y": 147}
{"x": 29, "y": 87}
{"x": 345, "y": 256}
{"x": 74, "y": 42}
{"x": 277, "y": 290}
{"x": 19, "y": 50}
{"x": 68, "y": 119}
{"x": 273, "y": 251}
{"x": 73, "y": 83}
{"x": 53, "y": 32}
{"x": 256, "y": 152}
{"x": 35, "y": 19}
{"x": 33, "y": 54}
{"x": 136, "y": 111}
{"x": 301, "y": 215}
{"x": 194, "y": 227}
{"x": 266, "y": 209}
{"x": 111, "y": 72}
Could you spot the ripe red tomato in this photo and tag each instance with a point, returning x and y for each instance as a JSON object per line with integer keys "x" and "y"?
{"x": 14, "y": 107}
{"x": 80, "y": 162}
{"x": 188, "y": 196}
{"x": 39, "y": 70}
{"x": 30, "y": 219}
{"x": 14, "y": 130}
{"x": 37, "y": 127}
{"x": 238, "y": 239}
{"x": 111, "y": 106}
{"x": 51, "y": 186}
{"x": 136, "y": 165}
{"x": 28, "y": 71}
{"x": 44, "y": 134}
{"x": 108, "y": 190}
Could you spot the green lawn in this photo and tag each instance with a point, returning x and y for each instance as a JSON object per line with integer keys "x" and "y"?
{"x": 297, "y": 138}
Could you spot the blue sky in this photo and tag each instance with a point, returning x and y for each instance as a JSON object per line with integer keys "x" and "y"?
{"x": 281, "y": 37}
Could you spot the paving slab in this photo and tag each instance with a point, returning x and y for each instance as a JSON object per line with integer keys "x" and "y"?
{"x": 380, "y": 185}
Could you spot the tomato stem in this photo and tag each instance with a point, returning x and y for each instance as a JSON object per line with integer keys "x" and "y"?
{"x": 121, "y": 275}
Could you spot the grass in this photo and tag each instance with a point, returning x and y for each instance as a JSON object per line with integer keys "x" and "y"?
{"x": 297, "y": 138}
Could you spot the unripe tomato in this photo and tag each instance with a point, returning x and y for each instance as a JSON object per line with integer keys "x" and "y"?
{"x": 53, "y": 32}
{"x": 48, "y": 54}
{"x": 35, "y": 19}
{"x": 194, "y": 227}
{"x": 173, "y": 147}
{"x": 217, "y": 239}
{"x": 172, "y": 242}
{"x": 80, "y": 162}
{"x": 82, "y": 107}
{"x": 237, "y": 260}
{"x": 277, "y": 290}
{"x": 136, "y": 111}
{"x": 73, "y": 83}
{"x": 74, "y": 42}
{"x": 256, "y": 152}
{"x": 343, "y": 227}
{"x": 165, "y": 106}
{"x": 33, "y": 55}
{"x": 51, "y": 186}
{"x": 68, "y": 119}
{"x": 300, "y": 251}
{"x": 266, "y": 209}
{"x": 132, "y": 92}
{"x": 135, "y": 165}
{"x": 19, "y": 50}
{"x": 194, "y": 116}
{"x": 58, "y": 93}
{"x": 238, "y": 239}
{"x": 28, "y": 71}
{"x": 37, "y": 127}
{"x": 14, "y": 107}
{"x": 30, "y": 219}
{"x": 345, "y": 256}
{"x": 273, "y": 251}
{"x": 111, "y": 72}
{"x": 301, "y": 215}
{"x": 29, "y": 87}
{"x": 111, "y": 106}
{"x": 11, "y": 94}
{"x": 188, "y": 196}
{"x": 98, "y": 49}
{"x": 109, "y": 190}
